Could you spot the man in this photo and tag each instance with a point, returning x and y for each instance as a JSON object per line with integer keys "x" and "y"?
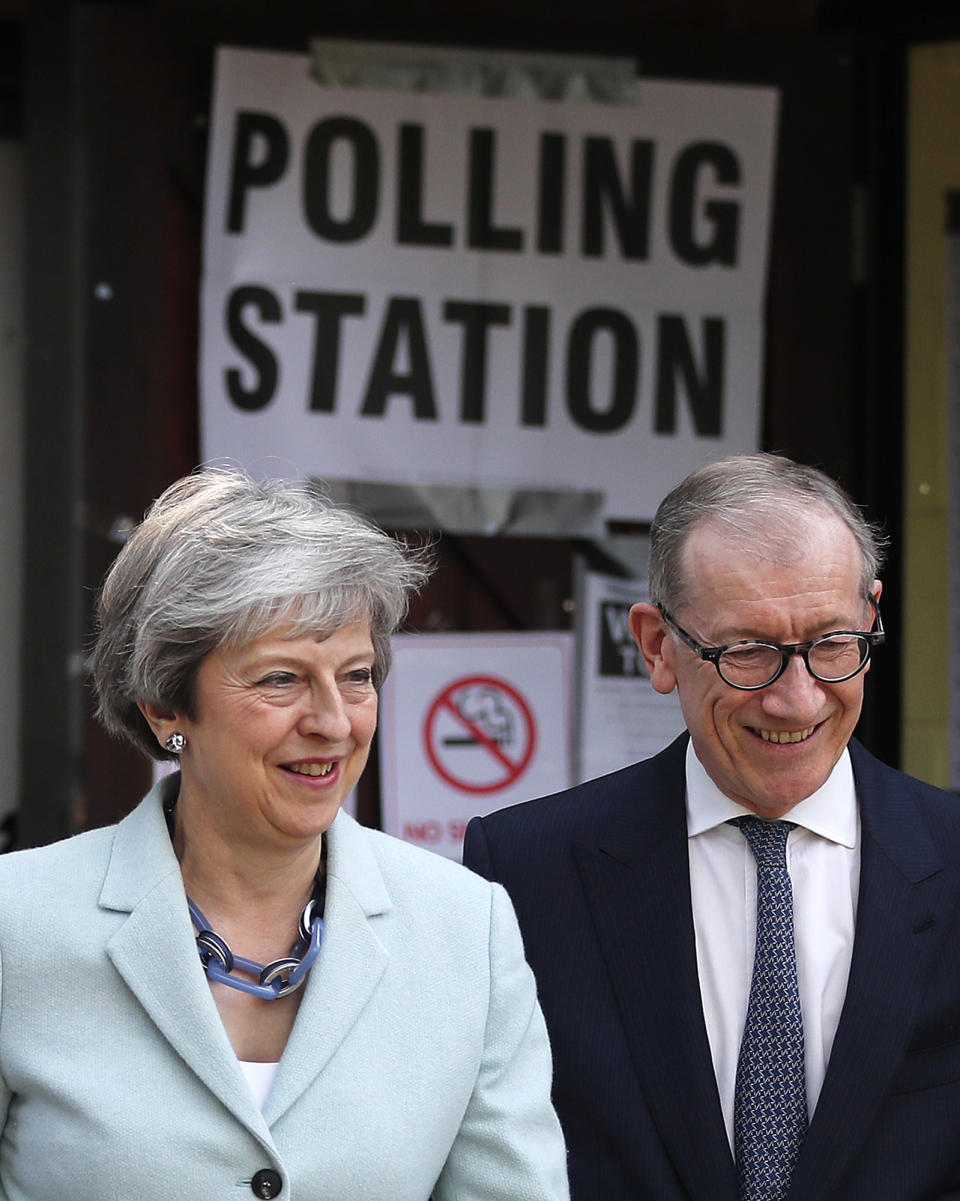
{"x": 663, "y": 937}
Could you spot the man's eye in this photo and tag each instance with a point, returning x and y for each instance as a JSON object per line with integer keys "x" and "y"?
{"x": 746, "y": 655}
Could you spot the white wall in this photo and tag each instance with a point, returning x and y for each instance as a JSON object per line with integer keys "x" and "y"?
{"x": 11, "y": 475}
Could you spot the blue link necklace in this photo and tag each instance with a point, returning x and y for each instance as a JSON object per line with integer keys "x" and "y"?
{"x": 278, "y": 978}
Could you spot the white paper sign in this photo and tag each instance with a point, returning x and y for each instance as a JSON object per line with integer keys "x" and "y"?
{"x": 447, "y": 289}
{"x": 622, "y": 718}
{"x": 470, "y": 723}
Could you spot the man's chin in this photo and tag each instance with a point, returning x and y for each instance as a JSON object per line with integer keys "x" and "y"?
{"x": 778, "y": 800}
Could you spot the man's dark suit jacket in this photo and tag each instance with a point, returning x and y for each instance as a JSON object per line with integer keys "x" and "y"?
{"x": 599, "y": 877}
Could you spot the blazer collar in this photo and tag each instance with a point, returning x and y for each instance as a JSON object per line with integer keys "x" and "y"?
{"x": 155, "y": 953}
{"x": 350, "y": 966}
{"x": 142, "y": 857}
{"x": 636, "y": 881}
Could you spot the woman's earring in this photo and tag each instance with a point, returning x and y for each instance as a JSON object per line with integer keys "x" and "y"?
{"x": 175, "y": 743}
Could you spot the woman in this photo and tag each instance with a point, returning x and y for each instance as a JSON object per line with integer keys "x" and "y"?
{"x": 238, "y": 989}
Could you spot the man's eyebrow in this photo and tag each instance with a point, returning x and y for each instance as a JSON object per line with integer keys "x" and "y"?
{"x": 732, "y": 634}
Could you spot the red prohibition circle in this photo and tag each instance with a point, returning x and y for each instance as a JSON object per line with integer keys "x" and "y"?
{"x": 444, "y": 702}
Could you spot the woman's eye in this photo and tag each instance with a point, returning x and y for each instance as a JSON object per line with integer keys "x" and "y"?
{"x": 362, "y": 675}
{"x": 278, "y": 679}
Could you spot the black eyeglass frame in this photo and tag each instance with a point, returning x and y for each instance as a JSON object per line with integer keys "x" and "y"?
{"x": 712, "y": 654}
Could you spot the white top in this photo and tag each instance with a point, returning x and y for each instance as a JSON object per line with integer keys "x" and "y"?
{"x": 823, "y": 857}
{"x": 260, "y": 1079}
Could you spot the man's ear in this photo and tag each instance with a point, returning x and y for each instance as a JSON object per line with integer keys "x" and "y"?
{"x": 656, "y": 645}
{"x": 162, "y": 721}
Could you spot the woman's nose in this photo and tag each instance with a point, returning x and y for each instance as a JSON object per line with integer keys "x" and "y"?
{"x": 325, "y": 714}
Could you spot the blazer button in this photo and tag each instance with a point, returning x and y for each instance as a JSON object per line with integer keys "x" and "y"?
{"x": 266, "y": 1184}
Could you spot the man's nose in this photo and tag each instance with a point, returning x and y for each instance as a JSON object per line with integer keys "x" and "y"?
{"x": 796, "y": 693}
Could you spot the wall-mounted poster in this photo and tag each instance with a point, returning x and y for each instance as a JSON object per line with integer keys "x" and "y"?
{"x": 622, "y": 719}
{"x": 446, "y": 289}
{"x": 470, "y": 723}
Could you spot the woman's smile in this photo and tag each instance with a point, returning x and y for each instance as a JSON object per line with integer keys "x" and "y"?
{"x": 312, "y": 768}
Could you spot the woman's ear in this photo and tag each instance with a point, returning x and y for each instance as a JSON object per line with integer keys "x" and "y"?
{"x": 656, "y": 646}
{"x": 161, "y": 720}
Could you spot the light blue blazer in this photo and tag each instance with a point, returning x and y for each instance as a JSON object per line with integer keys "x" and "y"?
{"x": 418, "y": 1064}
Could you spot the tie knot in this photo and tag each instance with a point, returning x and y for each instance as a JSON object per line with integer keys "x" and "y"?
{"x": 767, "y": 840}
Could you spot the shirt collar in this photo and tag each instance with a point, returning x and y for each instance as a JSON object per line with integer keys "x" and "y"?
{"x": 831, "y": 811}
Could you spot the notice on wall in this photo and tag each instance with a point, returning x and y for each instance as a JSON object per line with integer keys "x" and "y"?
{"x": 433, "y": 289}
{"x": 470, "y": 723}
{"x": 622, "y": 718}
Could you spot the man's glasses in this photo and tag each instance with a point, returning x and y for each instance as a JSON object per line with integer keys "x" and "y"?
{"x": 751, "y": 664}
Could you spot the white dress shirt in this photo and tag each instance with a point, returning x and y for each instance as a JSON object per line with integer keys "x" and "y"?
{"x": 823, "y": 856}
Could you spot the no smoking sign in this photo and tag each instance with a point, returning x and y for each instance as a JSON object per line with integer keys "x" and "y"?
{"x": 470, "y": 723}
{"x": 480, "y": 734}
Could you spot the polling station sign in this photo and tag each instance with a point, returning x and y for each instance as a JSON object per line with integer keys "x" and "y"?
{"x": 470, "y": 723}
{"x": 458, "y": 290}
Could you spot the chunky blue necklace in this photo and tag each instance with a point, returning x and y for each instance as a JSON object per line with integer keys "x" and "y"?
{"x": 278, "y": 978}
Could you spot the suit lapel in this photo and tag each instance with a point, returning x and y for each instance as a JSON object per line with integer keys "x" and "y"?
{"x": 155, "y": 953}
{"x": 906, "y": 904}
{"x": 640, "y": 870}
{"x": 351, "y": 963}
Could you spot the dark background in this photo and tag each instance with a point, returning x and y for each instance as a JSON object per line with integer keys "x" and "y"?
{"x": 111, "y": 102}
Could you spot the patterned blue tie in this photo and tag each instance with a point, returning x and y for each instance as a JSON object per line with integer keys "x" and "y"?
{"x": 770, "y": 1103}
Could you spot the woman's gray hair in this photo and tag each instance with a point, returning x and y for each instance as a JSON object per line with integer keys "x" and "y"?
{"x": 222, "y": 559}
{"x": 762, "y": 500}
